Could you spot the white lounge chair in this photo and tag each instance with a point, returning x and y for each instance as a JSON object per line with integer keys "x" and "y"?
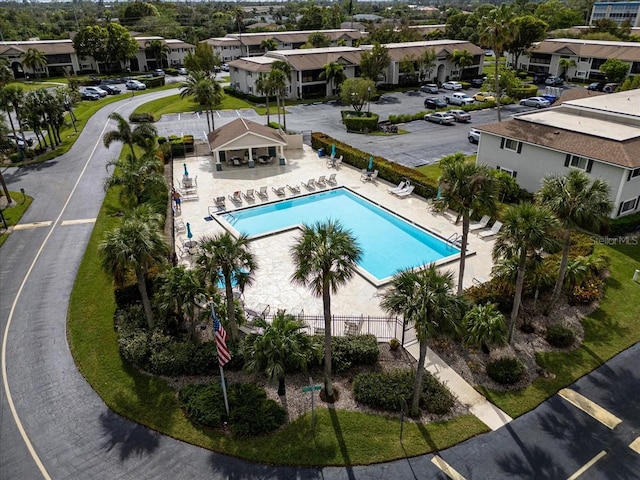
{"x": 310, "y": 185}
{"x": 249, "y": 195}
{"x": 220, "y": 201}
{"x": 279, "y": 191}
{"x": 262, "y": 193}
{"x": 494, "y": 230}
{"x": 293, "y": 188}
{"x": 332, "y": 179}
{"x": 484, "y": 221}
{"x": 179, "y": 226}
{"x": 405, "y": 192}
{"x": 322, "y": 182}
{"x": 399, "y": 188}
{"x": 236, "y": 197}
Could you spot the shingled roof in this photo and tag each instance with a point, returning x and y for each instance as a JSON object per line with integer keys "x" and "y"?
{"x": 626, "y": 51}
{"x": 240, "y": 127}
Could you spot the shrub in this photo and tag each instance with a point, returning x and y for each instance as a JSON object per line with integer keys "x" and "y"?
{"x": 623, "y": 225}
{"x": 276, "y": 125}
{"x": 559, "y": 335}
{"x": 385, "y": 390}
{"x": 251, "y": 412}
{"x": 493, "y": 291}
{"x": 352, "y": 350}
{"x": 588, "y": 292}
{"x": 134, "y": 348}
{"x": 204, "y": 404}
{"x": 142, "y": 117}
{"x": 507, "y": 370}
{"x": 360, "y": 121}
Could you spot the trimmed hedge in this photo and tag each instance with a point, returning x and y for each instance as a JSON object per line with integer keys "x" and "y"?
{"x": 352, "y": 350}
{"x": 389, "y": 171}
{"x": 244, "y": 96}
{"x": 507, "y": 370}
{"x": 142, "y": 117}
{"x": 360, "y": 121}
{"x": 385, "y": 390}
{"x": 250, "y": 411}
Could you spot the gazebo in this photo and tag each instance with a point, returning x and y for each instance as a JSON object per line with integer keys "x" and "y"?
{"x": 243, "y": 142}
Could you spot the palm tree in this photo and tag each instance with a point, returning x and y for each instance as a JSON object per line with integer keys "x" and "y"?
{"x": 279, "y": 77}
{"x": 159, "y": 50}
{"x": 281, "y": 347}
{"x": 6, "y": 75}
{"x": 140, "y": 135}
{"x": 565, "y": 63}
{"x": 269, "y": 44}
{"x": 34, "y": 59}
{"x": 263, "y": 86}
{"x": 462, "y": 59}
{"x": 334, "y": 75}
{"x": 206, "y": 91}
{"x": 526, "y": 228}
{"x": 223, "y": 255}
{"x": 485, "y": 325}
{"x": 496, "y": 30}
{"x": 466, "y": 187}
{"x": 12, "y": 98}
{"x": 137, "y": 244}
{"x": 578, "y": 202}
{"x": 136, "y": 176}
{"x": 425, "y": 298}
{"x": 325, "y": 258}
{"x": 180, "y": 291}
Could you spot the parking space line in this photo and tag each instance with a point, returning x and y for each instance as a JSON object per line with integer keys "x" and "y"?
{"x": 635, "y": 445}
{"x": 79, "y": 221}
{"x": 591, "y": 408}
{"x": 26, "y": 226}
{"x": 447, "y": 469}
{"x": 587, "y": 465}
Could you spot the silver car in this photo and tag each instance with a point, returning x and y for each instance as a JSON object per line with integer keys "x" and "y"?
{"x": 443, "y": 118}
{"x": 537, "y": 102}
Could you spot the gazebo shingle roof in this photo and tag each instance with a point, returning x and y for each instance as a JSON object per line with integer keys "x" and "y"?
{"x": 240, "y": 127}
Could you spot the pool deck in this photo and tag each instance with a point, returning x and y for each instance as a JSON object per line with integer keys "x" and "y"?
{"x": 272, "y": 286}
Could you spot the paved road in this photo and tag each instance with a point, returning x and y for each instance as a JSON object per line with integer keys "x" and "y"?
{"x": 75, "y": 436}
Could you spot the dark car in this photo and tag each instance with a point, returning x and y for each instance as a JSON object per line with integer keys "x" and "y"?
{"x": 610, "y": 87}
{"x": 110, "y": 89}
{"x": 20, "y": 140}
{"x": 478, "y": 82}
{"x": 434, "y": 103}
{"x": 596, "y": 86}
{"x": 540, "y": 77}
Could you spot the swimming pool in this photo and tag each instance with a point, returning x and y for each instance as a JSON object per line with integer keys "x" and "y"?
{"x": 389, "y": 243}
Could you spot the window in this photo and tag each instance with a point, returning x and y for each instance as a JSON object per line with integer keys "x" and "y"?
{"x": 578, "y": 162}
{"x": 633, "y": 174}
{"x": 628, "y": 206}
{"x": 511, "y": 173}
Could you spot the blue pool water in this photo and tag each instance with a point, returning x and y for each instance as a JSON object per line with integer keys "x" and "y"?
{"x": 389, "y": 243}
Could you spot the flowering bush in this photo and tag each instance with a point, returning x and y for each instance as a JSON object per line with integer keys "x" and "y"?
{"x": 587, "y": 292}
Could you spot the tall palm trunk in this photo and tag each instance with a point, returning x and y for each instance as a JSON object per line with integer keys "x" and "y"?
{"x": 463, "y": 250}
{"x": 522, "y": 263}
{"x": 561, "y": 273}
{"x": 417, "y": 384}
{"x": 497, "y": 77}
{"x": 284, "y": 111}
{"x": 326, "y": 304}
{"x": 146, "y": 303}
{"x": 231, "y": 317}
{"x": 267, "y": 102}
{"x": 278, "y": 107}
{"x": 213, "y": 125}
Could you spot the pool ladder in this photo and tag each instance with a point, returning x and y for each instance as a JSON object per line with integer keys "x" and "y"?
{"x": 456, "y": 239}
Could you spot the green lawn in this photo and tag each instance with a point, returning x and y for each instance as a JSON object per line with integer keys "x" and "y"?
{"x": 609, "y": 330}
{"x": 13, "y": 214}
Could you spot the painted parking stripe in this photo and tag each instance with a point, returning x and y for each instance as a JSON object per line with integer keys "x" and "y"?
{"x": 591, "y": 408}
{"x": 79, "y": 221}
{"x": 27, "y": 226}
{"x": 587, "y": 465}
{"x": 447, "y": 469}
{"x": 635, "y": 445}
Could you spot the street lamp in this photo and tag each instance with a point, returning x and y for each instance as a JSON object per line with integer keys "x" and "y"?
{"x": 368, "y": 100}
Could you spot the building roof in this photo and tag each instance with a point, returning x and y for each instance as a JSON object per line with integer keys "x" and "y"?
{"x": 171, "y": 42}
{"x": 317, "y": 58}
{"x": 297, "y": 36}
{"x": 600, "y": 127}
{"x": 241, "y": 127}
{"x": 254, "y": 64}
{"x": 628, "y": 51}
{"x": 397, "y": 51}
{"x": 49, "y": 47}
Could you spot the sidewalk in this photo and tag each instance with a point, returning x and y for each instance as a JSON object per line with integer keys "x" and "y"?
{"x": 479, "y": 406}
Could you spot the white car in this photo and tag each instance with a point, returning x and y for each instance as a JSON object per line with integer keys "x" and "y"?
{"x": 452, "y": 86}
{"x": 538, "y": 102}
{"x": 473, "y": 136}
{"x": 135, "y": 85}
{"x": 443, "y": 118}
{"x": 96, "y": 90}
{"x": 182, "y": 71}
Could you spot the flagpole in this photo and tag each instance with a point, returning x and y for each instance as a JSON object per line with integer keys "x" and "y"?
{"x": 224, "y": 385}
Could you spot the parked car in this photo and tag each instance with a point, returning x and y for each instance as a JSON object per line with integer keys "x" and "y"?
{"x": 443, "y": 118}
{"x": 97, "y": 90}
{"x": 596, "y": 86}
{"x": 225, "y": 67}
{"x": 473, "y": 136}
{"x": 434, "y": 103}
{"x": 537, "y": 102}
{"x": 540, "y": 77}
{"x": 86, "y": 95}
{"x": 158, "y": 72}
{"x": 478, "y": 82}
{"x": 110, "y": 89}
{"x": 550, "y": 98}
{"x": 20, "y": 140}
{"x": 452, "y": 86}
{"x": 489, "y": 53}
{"x": 429, "y": 88}
{"x": 610, "y": 87}
{"x": 460, "y": 115}
{"x": 182, "y": 71}
{"x": 553, "y": 80}
{"x": 135, "y": 85}
{"x": 458, "y": 98}
{"x": 484, "y": 97}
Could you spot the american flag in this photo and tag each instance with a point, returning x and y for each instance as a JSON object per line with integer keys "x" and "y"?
{"x": 221, "y": 340}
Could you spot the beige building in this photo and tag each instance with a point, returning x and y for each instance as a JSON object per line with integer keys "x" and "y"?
{"x": 588, "y": 56}
{"x": 599, "y": 134}
{"x": 235, "y": 45}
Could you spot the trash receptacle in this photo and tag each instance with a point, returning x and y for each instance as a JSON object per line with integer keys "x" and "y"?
{"x": 321, "y": 152}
